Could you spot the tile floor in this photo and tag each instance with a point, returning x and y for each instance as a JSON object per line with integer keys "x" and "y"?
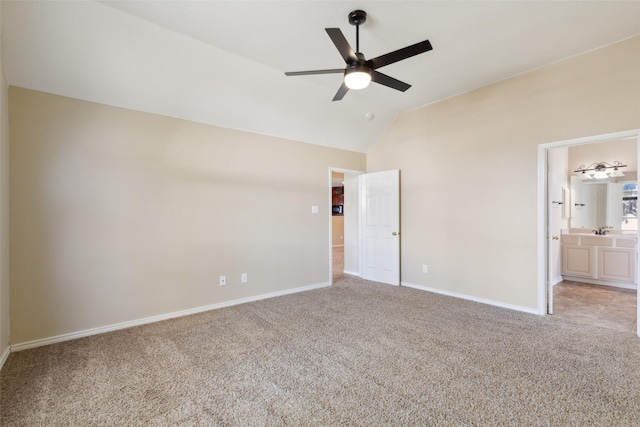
{"x": 605, "y": 306}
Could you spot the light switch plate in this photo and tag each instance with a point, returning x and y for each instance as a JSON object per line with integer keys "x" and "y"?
{"x": 314, "y": 209}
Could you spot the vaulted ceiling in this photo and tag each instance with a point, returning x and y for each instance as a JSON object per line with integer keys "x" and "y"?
{"x": 223, "y": 62}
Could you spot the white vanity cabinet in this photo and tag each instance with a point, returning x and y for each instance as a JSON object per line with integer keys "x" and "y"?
{"x": 616, "y": 264}
{"x": 599, "y": 259}
{"x": 578, "y": 261}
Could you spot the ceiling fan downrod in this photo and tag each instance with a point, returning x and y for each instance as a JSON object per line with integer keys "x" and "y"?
{"x": 356, "y": 18}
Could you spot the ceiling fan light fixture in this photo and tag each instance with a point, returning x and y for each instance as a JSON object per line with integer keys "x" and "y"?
{"x": 357, "y": 77}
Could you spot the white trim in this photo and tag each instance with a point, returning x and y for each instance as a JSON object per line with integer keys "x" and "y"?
{"x": 152, "y": 319}
{"x": 542, "y": 204}
{"x": 351, "y": 273}
{"x": 542, "y": 230}
{"x": 346, "y": 171}
{"x": 591, "y": 139}
{"x": 4, "y": 357}
{"x": 471, "y": 298}
{"x": 600, "y": 282}
{"x": 556, "y": 280}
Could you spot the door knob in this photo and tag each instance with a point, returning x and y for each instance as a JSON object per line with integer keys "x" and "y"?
{"x": 555, "y": 237}
{"x": 394, "y": 233}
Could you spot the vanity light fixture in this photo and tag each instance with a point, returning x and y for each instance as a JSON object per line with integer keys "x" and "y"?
{"x": 600, "y": 170}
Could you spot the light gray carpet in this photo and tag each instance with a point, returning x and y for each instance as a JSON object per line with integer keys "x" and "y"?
{"x": 357, "y": 353}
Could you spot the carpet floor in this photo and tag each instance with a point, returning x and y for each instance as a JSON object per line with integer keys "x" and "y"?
{"x": 357, "y": 353}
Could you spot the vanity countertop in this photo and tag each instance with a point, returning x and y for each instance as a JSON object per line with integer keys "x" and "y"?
{"x": 617, "y": 236}
{"x": 624, "y": 234}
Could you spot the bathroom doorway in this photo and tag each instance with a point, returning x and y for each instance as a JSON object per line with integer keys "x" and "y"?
{"x": 569, "y": 216}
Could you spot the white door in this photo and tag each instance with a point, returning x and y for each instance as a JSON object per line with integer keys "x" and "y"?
{"x": 558, "y": 213}
{"x": 551, "y": 250}
{"x": 380, "y": 226}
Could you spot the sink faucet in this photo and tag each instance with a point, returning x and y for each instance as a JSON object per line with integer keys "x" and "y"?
{"x": 601, "y": 231}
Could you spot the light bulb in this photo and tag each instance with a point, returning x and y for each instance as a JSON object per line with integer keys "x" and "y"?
{"x": 357, "y": 78}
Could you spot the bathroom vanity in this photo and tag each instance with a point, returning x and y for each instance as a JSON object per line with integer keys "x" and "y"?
{"x": 600, "y": 259}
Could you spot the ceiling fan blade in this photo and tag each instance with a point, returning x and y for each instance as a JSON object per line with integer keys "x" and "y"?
{"x": 399, "y": 55}
{"x": 341, "y": 92}
{"x": 307, "y": 73}
{"x": 342, "y": 44}
{"x": 383, "y": 79}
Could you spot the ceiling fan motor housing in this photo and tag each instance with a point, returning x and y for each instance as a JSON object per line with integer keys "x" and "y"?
{"x": 357, "y": 67}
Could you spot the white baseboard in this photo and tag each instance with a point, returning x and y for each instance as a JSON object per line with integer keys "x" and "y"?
{"x": 152, "y": 319}
{"x": 351, "y": 273}
{"x": 601, "y": 282}
{"x": 4, "y": 357}
{"x": 472, "y": 298}
{"x": 556, "y": 280}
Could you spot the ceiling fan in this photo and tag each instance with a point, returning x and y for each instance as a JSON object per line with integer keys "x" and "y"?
{"x": 359, "y": 71}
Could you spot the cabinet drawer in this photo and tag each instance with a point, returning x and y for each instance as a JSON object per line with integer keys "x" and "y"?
{"x": 596, "y": 241}
{"x": 625, "y": 243}
{"x": 570, "y": 240}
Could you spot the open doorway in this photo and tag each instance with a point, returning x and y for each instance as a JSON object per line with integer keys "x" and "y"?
{"x": 337, "y": 225}
{"x": 588, "y": 277}
{"x": 344, "y": 225}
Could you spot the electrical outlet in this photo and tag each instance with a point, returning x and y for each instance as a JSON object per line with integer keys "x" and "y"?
{"x": 243, "y": 279}
{"x": 223, "y": 280}
{"x": 425, "y": 269}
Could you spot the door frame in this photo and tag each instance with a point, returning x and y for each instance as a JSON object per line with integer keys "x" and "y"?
{"x": 543, "y": 256}
{"x": 549, "y": 226}
{"x": 345, "y": 172}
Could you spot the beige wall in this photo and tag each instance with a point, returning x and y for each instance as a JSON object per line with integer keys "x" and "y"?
{"x": 469, "y": 169}
{"x": 118, "y": 215}
{"x": 337, "y": 230}
{"x": 4, "y": 212}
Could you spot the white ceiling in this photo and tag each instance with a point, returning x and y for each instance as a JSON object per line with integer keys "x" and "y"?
{"x": 223, "y": 62}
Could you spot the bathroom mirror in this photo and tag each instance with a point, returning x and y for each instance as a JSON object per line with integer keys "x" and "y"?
{"x": 604, "y": 204}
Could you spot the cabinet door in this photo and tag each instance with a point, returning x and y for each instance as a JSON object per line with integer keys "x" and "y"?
{"x": 578, "y": 261}
{"x": 617, "y": 264}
